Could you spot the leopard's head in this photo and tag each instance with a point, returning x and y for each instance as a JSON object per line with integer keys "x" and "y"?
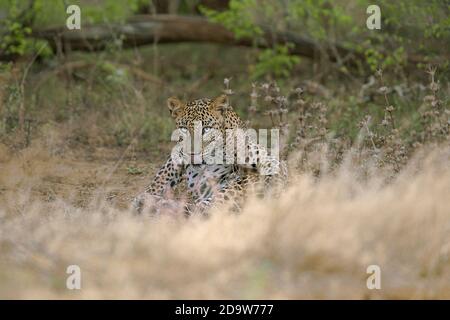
{"x": 207, "y": 118}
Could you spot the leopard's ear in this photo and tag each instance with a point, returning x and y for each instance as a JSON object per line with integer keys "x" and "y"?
{"x": 220, "y": 103}
{"x": 175, "y": 106}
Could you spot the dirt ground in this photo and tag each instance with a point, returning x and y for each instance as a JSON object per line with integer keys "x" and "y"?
{"x": 78, "y": 176}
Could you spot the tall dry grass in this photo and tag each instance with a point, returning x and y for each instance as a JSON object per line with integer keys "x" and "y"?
{"x": 316, "y": 241}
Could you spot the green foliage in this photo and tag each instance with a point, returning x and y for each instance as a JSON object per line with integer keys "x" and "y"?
{"x": 14, "y": 42}
{"x": 238, "y": 18}
{"x": 412, "y": 27}
{"x": 20, "y": 20}
{"x": 322, "y": 20}
{"x": 132, "y": 170}
{"x": 276, "y": 61}
{"x": 114, "y": 75}
{"x": 13, "y": 32}
{"x": 408, "y": 27}
{"x": 248, "y": 18}
{"x": 241, "y": 19}
{"x": 110, "y": 11}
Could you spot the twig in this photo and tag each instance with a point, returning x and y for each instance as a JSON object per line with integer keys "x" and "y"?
{"x": 22, "y": 91}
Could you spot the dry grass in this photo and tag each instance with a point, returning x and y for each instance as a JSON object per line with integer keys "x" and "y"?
{"x": 378, "y": 197}
{"x": 316, "y": 241}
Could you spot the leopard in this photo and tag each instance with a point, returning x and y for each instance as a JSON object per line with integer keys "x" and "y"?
{"x": 210, "y": 184}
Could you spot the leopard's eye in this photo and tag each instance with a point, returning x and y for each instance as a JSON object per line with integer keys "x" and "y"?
{"x": 206, "y": 129}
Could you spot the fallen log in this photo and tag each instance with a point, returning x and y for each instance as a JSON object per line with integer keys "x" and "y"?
{"x": 75, "y": 65}
{"x": 150, "y": 29}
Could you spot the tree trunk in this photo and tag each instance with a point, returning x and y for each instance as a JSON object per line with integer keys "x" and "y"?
{"x": 148, "y": 29}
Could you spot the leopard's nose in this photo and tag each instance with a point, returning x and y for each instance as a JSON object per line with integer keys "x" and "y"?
{"x": 196, "y": 157}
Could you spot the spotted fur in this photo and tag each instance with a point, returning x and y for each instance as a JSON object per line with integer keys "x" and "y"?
{"x": 212, "y": 184}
